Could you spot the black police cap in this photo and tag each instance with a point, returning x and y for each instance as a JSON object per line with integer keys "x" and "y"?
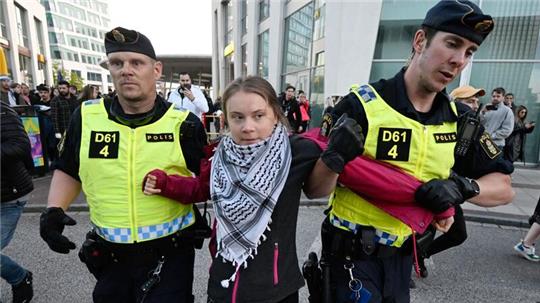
{"x": 120, "y": 39}
{"x": 460, "y": 17}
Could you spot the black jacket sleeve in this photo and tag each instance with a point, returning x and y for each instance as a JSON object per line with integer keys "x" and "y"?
{"x": 351, "y": 105}
{"x": 479, "y": 160}
{"x": 192, "y": 140}
{"x": 69, "y": 147}
{"x": 15, "y": 143}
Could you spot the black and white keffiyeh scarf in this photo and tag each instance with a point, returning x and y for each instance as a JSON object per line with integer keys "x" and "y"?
{"x": 245, "y": 182}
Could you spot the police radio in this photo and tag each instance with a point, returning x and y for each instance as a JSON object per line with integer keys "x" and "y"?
{"x": 467, "y": 132}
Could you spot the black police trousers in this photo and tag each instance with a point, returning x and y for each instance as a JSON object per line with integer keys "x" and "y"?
{"x": 385, "y": 272}
{"x": 387, "y": 279}
{"x": 120, "y": 281}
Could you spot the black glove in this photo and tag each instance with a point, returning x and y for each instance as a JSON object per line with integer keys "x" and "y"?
{"x": 345, "y": 143}
{"x": 438, "y": 195}
{"x": 51, "y": 226}
{"x": 468, "y": 187}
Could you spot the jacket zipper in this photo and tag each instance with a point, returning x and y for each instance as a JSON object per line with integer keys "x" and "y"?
{"x": 131, "y": 191}
{"x": 421, "y": 156}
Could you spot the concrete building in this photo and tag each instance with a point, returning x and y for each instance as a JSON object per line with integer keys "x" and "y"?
{"x": 24, "y": 41}
{"x": 76, "y": 29}
{"x": 323, "y": 47}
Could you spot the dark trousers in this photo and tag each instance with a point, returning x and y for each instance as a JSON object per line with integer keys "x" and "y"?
{"x": 385, "y": 272}
{"x": 121, "y": 281}
{"x": 536, "y": 214}
{"x": 48, "y": 140}
{"x": 304, "y": 125}
{"x": 456, "y": 235}
{"x": 207, "y": 123}
{"x": 387, "y": 279}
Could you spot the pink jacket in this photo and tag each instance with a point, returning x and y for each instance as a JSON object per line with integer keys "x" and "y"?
{"x": 385, "y": 186}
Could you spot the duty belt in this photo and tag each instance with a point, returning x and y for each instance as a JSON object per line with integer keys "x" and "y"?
{"x": 361, "y": 246}
{"x": 172, "y": 244}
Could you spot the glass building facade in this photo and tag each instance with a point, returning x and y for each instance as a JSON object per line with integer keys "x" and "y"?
{"x": 76, "y": 32}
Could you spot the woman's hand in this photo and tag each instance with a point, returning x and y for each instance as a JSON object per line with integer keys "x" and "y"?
{"x": 150, "y": 185}
{"x": 443, "y": 225}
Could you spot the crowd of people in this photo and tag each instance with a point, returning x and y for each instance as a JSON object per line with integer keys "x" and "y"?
{"x": 143, "y": 162}
{"x": 52, "y": 105}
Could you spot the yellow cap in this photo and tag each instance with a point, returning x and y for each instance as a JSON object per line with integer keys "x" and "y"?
{"x": 467, "y": 91}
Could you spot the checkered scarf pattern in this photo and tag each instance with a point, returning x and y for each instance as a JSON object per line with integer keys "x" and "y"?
{"x": 246, "y": 181}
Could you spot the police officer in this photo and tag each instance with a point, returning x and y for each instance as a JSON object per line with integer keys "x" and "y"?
{"x": 409, "y": 121}
{"x": 140, "y": 249}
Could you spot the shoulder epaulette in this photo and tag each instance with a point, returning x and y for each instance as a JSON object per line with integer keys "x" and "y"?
{"x": 366, "y": 92}
{"x": 91, "y": 102}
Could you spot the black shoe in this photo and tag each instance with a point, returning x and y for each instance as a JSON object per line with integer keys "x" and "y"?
{"x": 423, "y": 269}
{"x": 412, "y": 284}
{"x": 23, "y": 292}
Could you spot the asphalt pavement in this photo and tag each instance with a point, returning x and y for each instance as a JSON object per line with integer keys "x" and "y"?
{"x": 483, "y": 269}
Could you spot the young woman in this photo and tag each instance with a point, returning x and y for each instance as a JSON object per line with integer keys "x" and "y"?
{"x": 257, "y": 174}
{"x": 303, "y": 102}
{"x": 89, "y": 92}
{"x": 525, "y": 247}
{"x": 513, "y": 149}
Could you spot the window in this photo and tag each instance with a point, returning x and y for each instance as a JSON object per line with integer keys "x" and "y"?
{"x": 298, "y": 39}
{"x": 262, "y": 69}
{"x": 39, "y": 30}
{"x": 50, "y": 21}
{"x": 105, "y": 22}
{"x": 52, "y": 38}
{"x": 244, "y": 59}
{"x": 93, "y": 76}
{"x": 22, "y": 29}
{"x": 109, "y": 79}
{"x": 25, "y": 68}
{"x": 72, "y": 11}
{"x": 94, "y": 19}
{"x": 264, "y": 10}
{"x": 229, "y": 22}
{"x": 319, "y": 17}
{"x": 61, "y": 23}
{"x": 243, "y": 4}
{"x": 3, "y": 30}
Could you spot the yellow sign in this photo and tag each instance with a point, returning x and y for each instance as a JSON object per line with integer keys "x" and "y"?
{"x": 41, "y": 58}
{"x": 3, "y": 62}
{"x": 229, "y": 49}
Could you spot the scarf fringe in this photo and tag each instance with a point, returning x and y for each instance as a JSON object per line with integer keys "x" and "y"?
{"x": 239, "y": 262}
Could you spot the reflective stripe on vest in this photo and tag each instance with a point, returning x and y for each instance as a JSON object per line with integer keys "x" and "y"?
{"x": 416, "y": 148}
{"x": 114, "y": 159}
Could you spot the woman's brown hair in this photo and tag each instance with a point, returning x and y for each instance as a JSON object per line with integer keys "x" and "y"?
{"x": 255, "y": 85}
{"x": 87, "y": 93}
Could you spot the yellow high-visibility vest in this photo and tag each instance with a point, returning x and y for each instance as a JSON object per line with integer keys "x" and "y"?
{"x": 424, "y": 151}
{"x": 114, "y": 159}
